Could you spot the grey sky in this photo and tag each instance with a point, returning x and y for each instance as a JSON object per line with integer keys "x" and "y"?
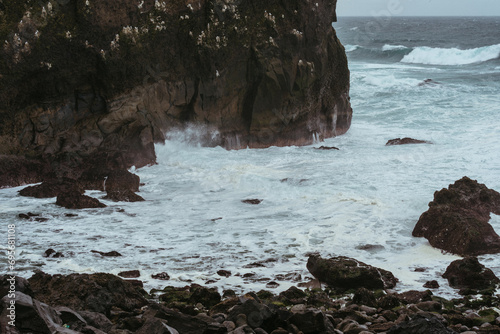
{"x": 418, "y": 7}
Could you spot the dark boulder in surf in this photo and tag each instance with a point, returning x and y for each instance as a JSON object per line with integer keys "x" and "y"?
{"x": 468, "y": 274}
{"x": 75, "y": 200}
{"x": 405, "y": 141}
{"x": 457, "y": 219}
{"x": 52, "y": 188}
{"x": 344, "y": 273}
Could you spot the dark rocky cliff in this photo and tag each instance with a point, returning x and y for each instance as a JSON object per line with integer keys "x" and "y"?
{"x": 81, "y": 79}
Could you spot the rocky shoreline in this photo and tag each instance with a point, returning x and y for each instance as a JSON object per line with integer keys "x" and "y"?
{"x": 352, "y": 303}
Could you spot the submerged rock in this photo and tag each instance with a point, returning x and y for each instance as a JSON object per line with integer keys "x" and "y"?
{"x": 405, "y": 141}
{"x": 252, "y": 201}
{"x": 457, "y": 219}
{"x": 345, "y": 273}
{"x": 468, "y": 273}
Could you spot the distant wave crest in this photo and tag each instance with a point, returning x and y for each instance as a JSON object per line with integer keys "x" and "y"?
{"x": 389, "y": 47}
{"x": 351, "y": 48}
{"x": 439, "y": 56}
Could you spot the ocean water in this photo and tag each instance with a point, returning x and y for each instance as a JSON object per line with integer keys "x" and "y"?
{"x": 194, "y": 222}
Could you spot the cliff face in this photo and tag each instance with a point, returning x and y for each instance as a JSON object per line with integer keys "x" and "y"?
{"x": 95, "y": 78}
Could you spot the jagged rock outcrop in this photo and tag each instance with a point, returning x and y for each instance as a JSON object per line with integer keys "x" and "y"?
{"x": 457, "y": 219}
{"x": 99, "y": 82}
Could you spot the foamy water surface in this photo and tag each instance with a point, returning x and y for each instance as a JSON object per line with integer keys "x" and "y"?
{"x": 193, "y": 222}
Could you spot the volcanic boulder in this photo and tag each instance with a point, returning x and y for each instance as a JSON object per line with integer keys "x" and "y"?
{"x": 468, "y": 273}
{"x": 95, "y": 292}
{"x": 457, "y": 219}
{"x": 344, "y": 273}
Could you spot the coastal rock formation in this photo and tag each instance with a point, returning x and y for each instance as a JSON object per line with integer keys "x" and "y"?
{"x": 405, "y": 141}
{"x": 457, "y": 219}
{"x": 468, "y": 273}
{"x": 75, "y": 200}
{"x": 345, "y": 273}
{"x": 95, "y": 292}
{"x": 105, "y": 303}
{"x": 98, "y": 83}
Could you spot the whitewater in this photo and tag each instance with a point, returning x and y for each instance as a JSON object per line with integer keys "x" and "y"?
{"x": 361, "y": 201}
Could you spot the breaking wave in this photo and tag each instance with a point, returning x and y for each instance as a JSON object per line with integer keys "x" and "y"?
{"x": 453, "y": 56}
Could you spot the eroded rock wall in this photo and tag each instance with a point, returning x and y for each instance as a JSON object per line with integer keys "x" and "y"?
{"x": 87, "y": 78}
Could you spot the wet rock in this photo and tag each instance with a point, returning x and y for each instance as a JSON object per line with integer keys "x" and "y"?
{"x": 224, "y": 273}
{"x": 123, "y": 196}
{"x": 405, "y": 141}
{"x": 468, "y": 273}
{"x": 111, "y": 253}
{"x": 97, "y": 320}
{"x": 75, "y": 200}
{"x": 420, "y": 324}
{"x": 346, "y": 273}
{"x": 24, "y": 216}
{"x": 293, "y": 296}
{"x": 363, "y": 296}
{"x": 431, "y": 285}
{"x": 255, "y": 312}
{"x": 52, "y": 253}
{"x": 326, "y": 148}
{"x": 122, "y": 180}
{"x": 252, "y": 201}
{"x": 9, "y": 283}
{"x": 31, "y": 315}
{"x": 52, "y": 188}
{"x": 272, "y": 285}
{"x": 429, "y": 82}
{"x": 17, "y": 171}
{"x": 370, "y": 247}
{"x": 457, "y": 219}
{"x": 156, "y": 326}
{"x": 94, "y": 178}
{"x": 95, "y": 292}
{"x": 130, "y": 274}
{"x": 206, "y": 296}
{"x": 161, "y": 276}
{"x": 413, "y": 297}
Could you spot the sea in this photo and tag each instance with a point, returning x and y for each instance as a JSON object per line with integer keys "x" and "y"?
{"x": 432, "y": 78}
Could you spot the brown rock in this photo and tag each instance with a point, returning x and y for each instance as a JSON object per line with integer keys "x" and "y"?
{"x": 431, "y": 285}
{"x": 326, "y": 148}
{"x": 96, "y": 292}
{"x": 123, "y": 196}
{"x": 161, "y": 276}
{"x": 468, "y": 273}
{"x": 75, "y": 200}
{"x": 252, "y": 201}
{"x": 52, "y": 188}
{"x": 346, "y": 273}
{"x": 17, "y": 170}
{"x": 112, "y": 253}
{"x": 130, "y": 274}
{"x": 457, "y": 219}
{"x": 259, "y": 80}
{"x": 405, "y": 141}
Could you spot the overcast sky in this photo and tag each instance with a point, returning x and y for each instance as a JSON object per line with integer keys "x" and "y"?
{"x": 418, "y": 7}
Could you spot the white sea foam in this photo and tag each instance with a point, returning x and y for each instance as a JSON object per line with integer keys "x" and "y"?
{"x": 193, "y": 222}
{"x": 440, "y": 56}
{"x": 350, "y": 48}
{"x": 388, "y": 47}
